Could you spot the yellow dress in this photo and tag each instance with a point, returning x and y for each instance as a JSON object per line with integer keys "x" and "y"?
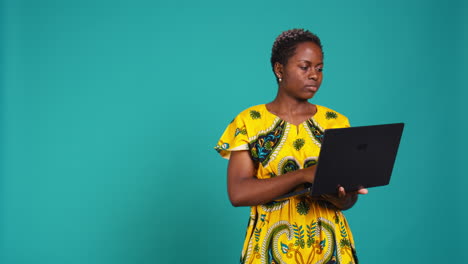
{"x": 297, "y": 229}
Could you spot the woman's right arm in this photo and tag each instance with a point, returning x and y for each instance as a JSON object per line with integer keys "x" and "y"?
{"x": 245, "y": 189}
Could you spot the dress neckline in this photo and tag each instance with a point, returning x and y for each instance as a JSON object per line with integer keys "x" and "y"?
{"x": 310, "y": 118}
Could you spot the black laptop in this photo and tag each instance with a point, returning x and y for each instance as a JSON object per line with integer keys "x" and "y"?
{"x": 355, "y": 157}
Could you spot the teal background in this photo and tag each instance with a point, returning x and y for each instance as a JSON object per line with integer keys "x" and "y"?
{"x": 110, "y": 111}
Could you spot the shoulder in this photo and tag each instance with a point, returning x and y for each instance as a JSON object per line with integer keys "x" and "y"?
{"x": 254, "y": 120}
{"x": 328, "y": 113}
{"x": 330, "y": 118}
{"x": 254, "y": 114}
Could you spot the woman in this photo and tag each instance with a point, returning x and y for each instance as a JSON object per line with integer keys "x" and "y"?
{"x": 272, "y": 149}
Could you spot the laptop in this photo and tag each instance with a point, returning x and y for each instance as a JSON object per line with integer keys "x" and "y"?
{"x": 355, "y": 157}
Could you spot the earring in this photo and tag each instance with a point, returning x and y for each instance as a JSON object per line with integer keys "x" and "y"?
{"x": 279, "y": 79}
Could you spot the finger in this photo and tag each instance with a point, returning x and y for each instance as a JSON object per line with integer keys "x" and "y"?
{"x": 341, "y": 192}
{"x": 363, "y": 191}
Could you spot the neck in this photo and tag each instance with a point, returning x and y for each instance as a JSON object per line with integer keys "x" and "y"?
{"x": 283, "y": 104}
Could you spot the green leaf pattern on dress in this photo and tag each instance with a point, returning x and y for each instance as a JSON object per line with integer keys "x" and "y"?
{"x": 331, "y": 115}
{"x": 303, "y": 207}
{"x": 299, "y": 235}
{"x": 255, "y": 114}
{"x": 298, "y": 143}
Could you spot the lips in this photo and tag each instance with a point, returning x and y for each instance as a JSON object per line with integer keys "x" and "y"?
{"x": 312, "y": 88}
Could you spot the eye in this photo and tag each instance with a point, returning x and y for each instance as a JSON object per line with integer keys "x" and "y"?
{"x": 304, "y": 68}
{"x": 320, "y": 69}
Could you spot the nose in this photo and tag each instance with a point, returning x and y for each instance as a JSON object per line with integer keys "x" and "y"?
{"x": 313, "y": 75}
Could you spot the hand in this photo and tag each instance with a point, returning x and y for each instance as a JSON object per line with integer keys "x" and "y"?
{"x": 342, "y": 193}
{"x": 343, "y": 200}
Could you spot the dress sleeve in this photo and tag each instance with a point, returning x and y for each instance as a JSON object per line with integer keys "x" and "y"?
{"x": 338, "y": 121}
{"x": 346, "y": 122}
{"x": 234, "y": 138}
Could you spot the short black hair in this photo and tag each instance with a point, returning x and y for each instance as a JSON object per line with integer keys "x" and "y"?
{"x": 285, "y": 45}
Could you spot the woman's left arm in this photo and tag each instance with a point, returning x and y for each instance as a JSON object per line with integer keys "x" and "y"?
{"x": 344, "y": 200}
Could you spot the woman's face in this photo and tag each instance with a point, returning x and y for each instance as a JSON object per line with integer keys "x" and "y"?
{"x": 302, "y": 74}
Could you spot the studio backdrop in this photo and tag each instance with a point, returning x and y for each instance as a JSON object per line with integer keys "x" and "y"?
{"x": 110, "y": 111}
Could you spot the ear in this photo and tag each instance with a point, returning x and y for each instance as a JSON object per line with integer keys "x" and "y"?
{"x": 278, "y": 70}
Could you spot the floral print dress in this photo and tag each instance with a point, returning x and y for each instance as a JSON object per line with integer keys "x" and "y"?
{"x": 297, "y": 229}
